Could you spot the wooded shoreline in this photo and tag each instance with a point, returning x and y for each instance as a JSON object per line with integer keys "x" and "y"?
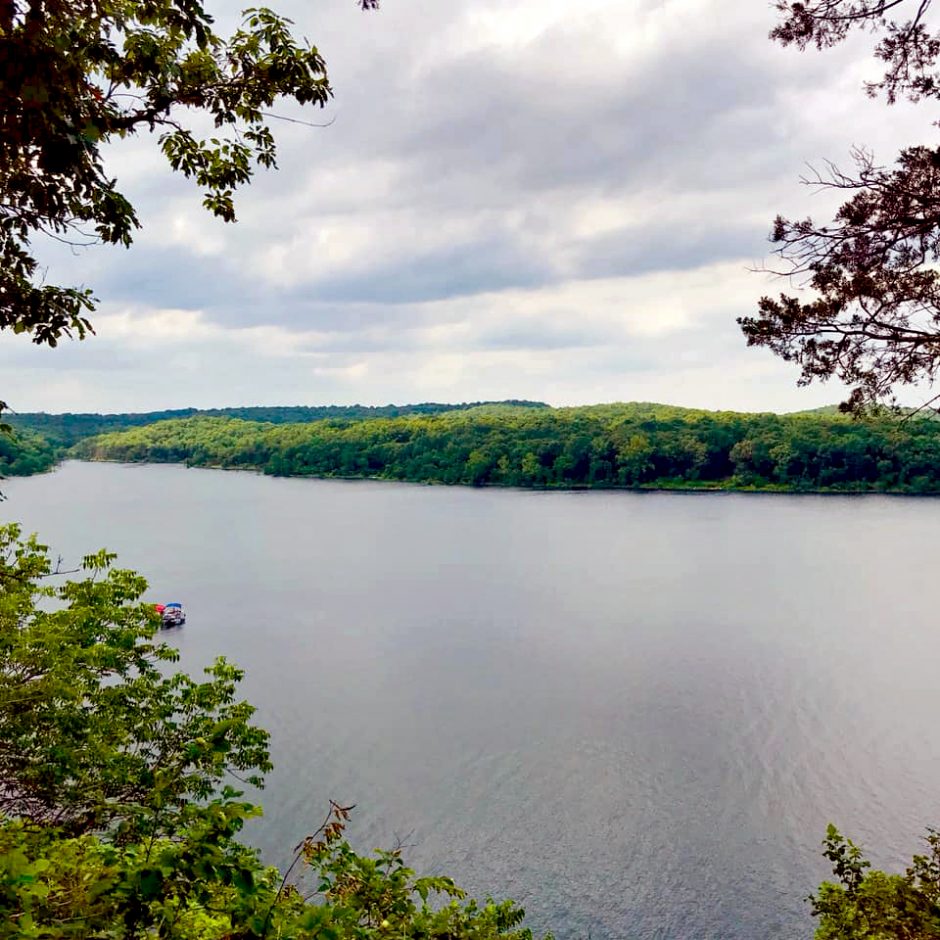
{"x": 642, "y": 447}
{"x": 678, "y": 488}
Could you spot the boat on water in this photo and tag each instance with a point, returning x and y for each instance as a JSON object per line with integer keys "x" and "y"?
{"x": 172, "y": 614}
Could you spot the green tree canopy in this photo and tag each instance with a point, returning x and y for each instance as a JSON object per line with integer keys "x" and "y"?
{"x": 867, "y": 904}
{"x": 94, "y": 732}
{"x": 75, "y": 74}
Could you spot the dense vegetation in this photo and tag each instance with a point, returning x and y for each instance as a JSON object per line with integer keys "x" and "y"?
{"x": 25, "y": 452}
{"x": 638, "y": 445}
{"x": 40, "y": 439}
{"x": 117, "y": 817}
{"x": 867, "y": 904}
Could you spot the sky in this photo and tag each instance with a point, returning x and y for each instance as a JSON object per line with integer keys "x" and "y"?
{"x": 544, "y": 199}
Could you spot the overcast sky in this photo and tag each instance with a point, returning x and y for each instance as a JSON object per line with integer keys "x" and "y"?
{"x": 551, "y": 199}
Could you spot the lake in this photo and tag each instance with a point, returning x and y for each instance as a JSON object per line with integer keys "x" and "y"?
{"x": 635, "y": 713}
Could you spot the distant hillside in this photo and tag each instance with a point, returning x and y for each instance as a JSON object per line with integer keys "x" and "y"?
{"x": 512, "y": 443}
{"x": 63, "y": 430}
{"x": 831, "y": 411}
{"x": 639, "y": 445}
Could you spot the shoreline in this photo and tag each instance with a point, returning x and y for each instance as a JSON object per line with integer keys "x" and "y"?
{"x": 707, "y": 487}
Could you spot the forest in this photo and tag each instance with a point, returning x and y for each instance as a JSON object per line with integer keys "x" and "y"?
{"x": 635, "y": 445}
{"x": 39, "y": 439}
{"x": 25, "y": 452}
{"x": 66, "y": 429}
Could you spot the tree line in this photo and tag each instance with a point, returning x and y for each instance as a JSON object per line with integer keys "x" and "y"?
{"x": 622, "y": 445}
{"x": 39, "y": 439}
{"x": 66, "y": 429}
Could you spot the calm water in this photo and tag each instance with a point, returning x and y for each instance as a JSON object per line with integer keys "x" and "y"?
{"x": 635, "y": 713}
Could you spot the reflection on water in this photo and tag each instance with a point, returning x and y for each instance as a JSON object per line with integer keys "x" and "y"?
{"x": 635, "y": 713}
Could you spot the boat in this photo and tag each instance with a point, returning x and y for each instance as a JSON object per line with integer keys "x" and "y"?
{"x": 173, "y": 615}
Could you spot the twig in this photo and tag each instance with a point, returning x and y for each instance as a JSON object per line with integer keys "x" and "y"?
{"x": 290, "y": 120}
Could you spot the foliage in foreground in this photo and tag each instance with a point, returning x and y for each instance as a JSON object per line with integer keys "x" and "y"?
{"x": 77, "y": 74}
{"x": 872, "y": 318}
{"x": 634, "y": 445}
{"x": 866, "y": 904}
{"x": 117, "y": 819}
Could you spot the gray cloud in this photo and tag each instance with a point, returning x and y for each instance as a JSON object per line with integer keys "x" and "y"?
{"x": 484, "y": 265}
{"x": 176, "y": 277}
{"x": 647, "y": 249}
{"x": 538, "y": 337}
